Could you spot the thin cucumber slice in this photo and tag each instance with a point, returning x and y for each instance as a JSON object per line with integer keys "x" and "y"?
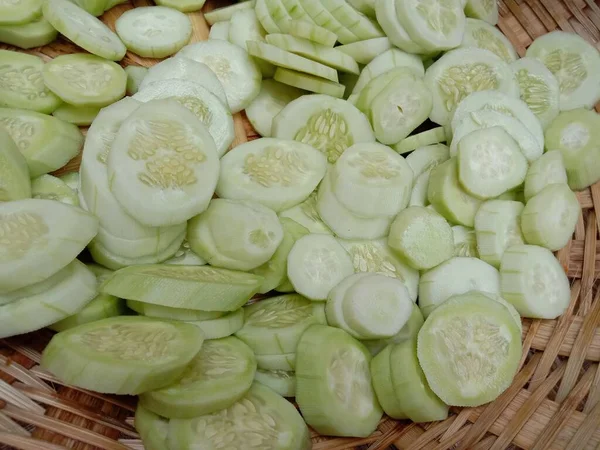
{"x": 513, "y": 311}
{"x": 547, "y": 169}
{"x": 298, "y": 13}
{"x": 28, "y": 35}
{"x": 82, "y": 116}
{"x": 94, "y": 7}
{"x": 534, "y": 282}
{"x": 462, "y": 71}
{"x": 364, "y": 52}
{"x": 316, "y": 263}
{"x": 423, "y": 159}
{"x": 482, "y": 9}
{"x": 220, "y": 30}
{"x": 135, "y": 78}
{"x": 20, "y": 11}
{"x": 222, "y": 326}
{"x": 278, "y": 13}
{"x": 285, "y": 362}
{"x": 153, "y": 429}
{"x": 463, "y": 370}
{"x": 183, "y": 5}
{"x": 366, "y": 7}
{"x": 14, "y": 174}
{"x": 218, "y": 376}
{"x": 193, "y": 287}
{"x": 273, "y": 326}
{"x": 497, "y": 227}
{"x": 420, "y": 140}
{"x": 306, "y": 215}
{"x": 377, "y": 84}
{"x": 330, "y": 361}
{"x": 421, "y": 237}
{"x": 280, "y": 381}
{"x": 224, "y": 14}
{"x": 22, "y": 84}
{"x": 329, "y": 124}
{"x": 324, "y": 18}
{"x": 453, "y": 277}
{"x": 264, "y": 17}
{"x": 418, "y": 196}
{"x": 122, "y": 355}
{"x": 52, "y": 188}
{"x": 245, "y": 26}
{"x": 269, "y": 102}
{"x": 40, "y": 238}
{"x": 481, "y": 34}
{"x": 409, "y": 331}
{"x": 185, "y": 256}
{"x": 387, "y": 16}
{"x": 447, "y": 196}
{"x": 360, "y": 25}
{"x": 261, "y": 420}
{"x": 371, "y": 180}
{"x": 238, "y": 74}
{"x": 285, "y": 287}
{"x": 206, "y": 107}
{"x": 465, "y": 241}
{"x": 102, "y": 306}
{"x": 381, "y": 374}
{"x": 173, "y": 196}
{"x": 312, "y": 32}
{"x": 539, "y": 88}
{"x": 576, "y": 134}
{"x": 166, "y": 312}
{"x": 274, "y": 172}
{"x": 84, "y": 29}
{"x": 550, "y": 217}
{"x": 574, "y": 62}
{"x": 309, "y": 82}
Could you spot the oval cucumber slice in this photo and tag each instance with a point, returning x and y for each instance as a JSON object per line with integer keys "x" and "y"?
{"x": 169, "y": 313}
{"x": 135, "y": 78}
{"x": 220, "y": 30}
{"x": 482, "y": 9}
{"x": 309, "y": 82}
{"x": 382, "y": 384}
{"x": 14, "y": 174}
{"x": 221, "y": 327}
{"x": 81, "y": 116}
{"x": 153, "y": 429}
{"x": 314, "y": 33}
{"x": 52, "y": 188}
{"x": 465, "y": 241}
{"x": 306, "y": 215}
{"x": 94, "y": 7}
{"x": 277, "y": 362}
{"x": 387, "y": 16}
{"x": 280, "y": 381}
{"x": 547, "y": 169}
{"x": 28, "y": 35}
{"x": 20, "y": 12}
{"x": 420, "y": 140}
{"x": 364, "y": 52}
{"x": 224, "y": 14}
{"x": 481, "y": 34}
{"x": 423, "y": 159}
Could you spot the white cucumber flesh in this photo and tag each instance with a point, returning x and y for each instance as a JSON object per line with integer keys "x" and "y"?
{"x": 309, "y": 82}
{"x": 364, "y": 52}
{"x": 465, "y": 241}
{"x": 425, "y": 158}
{"x": 307, "y": 216}
{"x": 480, "y": 34}
{"x": 14, "y": 174}
{"x": 483, "y": 10}
{"x": 547, "y": 169}
{"x": 281, "y": 381}
{"x": 220, "y": 30}
{"x": 420, "y": 140}
{"x": 224, "y": 14}
{"x": 387, "y": 16}
{"x": 52, "y": 188}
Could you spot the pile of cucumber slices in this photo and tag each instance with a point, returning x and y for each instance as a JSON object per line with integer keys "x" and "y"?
{"x": 396, "y": 219}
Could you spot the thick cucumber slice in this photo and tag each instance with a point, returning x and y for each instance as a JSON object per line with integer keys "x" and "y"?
{"x": 142, "y": 248}
{"x": 122, "y": 355}
{"x": 421, "y": 237}
{"x": 52, "y": 188}
{"x": 312, "y": 32}
{"x": 364, "y": 52}
{"x": 173, "y": 196}
{"x": 183, "y": 5}
{"x": 539, "y": 88}
{"x": 222, "y": 326}
{"x": 100, "y": 307}
{"x": 218, "y": 376}
{"x": 40, "y": 237}
{"x": 576, "y": 134}
{"x": 274, "y": 172}
{"x": 513, "y": 311}
{"x": 423, "y": 159}
{"x": 245, "y": 26}
{"x": 330, "y": 125}
{"x": 408, "y": 332}
{"x": 281, "y": 381}
{"x": 264, "y": 17}
{"x": 387, "y": 16}
{"x": 14, "y": 174}
{"x": 85, "y": 80}
{"x": 317, "y": 263}
{"x": 574, "y": 62}
{"x": 420, "y": 140}
{"x": 20, "y": 11}
{"x": 285, "y": 362}
{"x": 193, "y": 287}
{"x": 152, "y": 428}
{"x": 469, "y": 349}
{"x": 550, "y": 217}
{"x": 261, "y": 420}
{"x": 309, "y": 82}
{"x": 377, "y": 84}
{"x": 82, "y": 116}
{"x": 220, "y": 30}
{"x": 497, "y": 227}
{"x": 94, "y": 7}
{"x": 465, "y": 241}
{"x": 381, "y": 374}
{"x": 481, "y": 34}
{"x": 75, "y": 288}
{"x": 482, "y": 9}
{"x": 224, "y": 14}
{"x": 185, "y": 256}
{"x": 324, "y": 18}
{"x": 306, "y": 215}
{"x": 547, "y": 169}
{"x": 166, "y": 312}
{"x": 238, "y": 74}
{"x": 135, "y": 78}
{"x": 360, "y": 25}
{"x": 418, "y": 196}
{"x": 462, "y": 71}
{"x": 333, "y": 383}
{"x": 28, "y": 35}
{"x": 534, "y": 282}
{"x": 206, "y": 107}
{"x": 453, "y": 277}
{"x": 84, "y": 29}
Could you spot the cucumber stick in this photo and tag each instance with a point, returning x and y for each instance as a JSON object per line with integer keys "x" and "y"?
{"x": 14, "y": 180}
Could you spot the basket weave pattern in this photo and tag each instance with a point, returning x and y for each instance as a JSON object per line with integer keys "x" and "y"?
{"x": 553, "y": 403}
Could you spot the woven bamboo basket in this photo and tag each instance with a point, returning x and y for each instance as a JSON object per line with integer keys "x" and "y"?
{"x": 553, "y": 403}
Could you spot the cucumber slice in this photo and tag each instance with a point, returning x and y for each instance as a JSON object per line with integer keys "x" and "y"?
{"x": 206, "y": 107}
{"x": 420, "y": 140}
{"x": 418, "y": 196}
{"x": 221, "y": 327}
{"x": 28, "y": 35}
{"x": 576, "y": 134}
{"x": 314, "y": 33}
{"x": 193, "y": 287}
{"x": 183, "y": 5}
{"x": 277, "y": 362}
{"x": 360, "y": 25}
{"x": 513, "y": 311}
{"x": 22, "y": 84}
{"x": 245, "y": 26}
{"x": 534, "y": 282}
{"x": 497, "y": 227}
{"x": 309, "y": 82}
{"x": 447, "y": 196}
{"x": 463, "y": 370}
{"x": 260, "y": 420}
{"x": 279, "y": 13}
{"x": 366, "y": 7}
{"x": 220, "y": 30}
{"x": 20, "y": 11}
{"x": 237, "y": 73}
{"x": 298, "y": 13}
{"x": 264, "y": 17}
{"x": 166, "y": 312}
{"x": 271, "y": 99}
{"x": 550, "y": 217}
{"x": 84, "y": 29}
{"x": 306, "y": 215}
{"x": 371, "y": 180}
{"x": 100, "y": 307}
{"x": 52, "y": 188}
{"x": 381, "y": 374}
{"x": 462, "y": 71}
{"x": 333, "y": 383}
{"x": 186, "y": 257}
{"x": 454, "y": 277}
{"x": 112, "y": 3}
{"x": 424, "y": 159}
{"x": 218, "y": 376}
{"x": 316, "y": 263}
{"x": 465, "y": 241}
{"x": 481, "y": 34}
{"x": 387, "y": 16}
{"x": 377, "y": 84}
{"x": 122, "y": 355}
{"x": 14, "y": 174}
{"x": 274, "y": 172}
{"x": 273, "y": 326}
{"x": 409, "y": 331}
{"x": 184, "y": 141}
{"x": 224, "y": 14}
{"x": 324, "y": 18}
{"x": 364, "y": 52}
{"x": 135, "y": 78}
{"x": 574, "y": 62}
{"x": 280, "y": 381}
{"x": 421, "y": 237}
{"x": 482, "y": 9}
{"x": 152, "y": 428}
{"x": 82, "y": 116}
{"x": 547, "y": 169}
{"x": 329, "y": 124}
{"x": 94, "y": 7}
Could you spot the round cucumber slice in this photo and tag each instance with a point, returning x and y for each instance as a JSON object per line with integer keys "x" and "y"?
{"x": 311, "y": 31}
{"x": 547, "y": 169}
{"x": 52, "y": 188}
{"x": 20, "y": 11}
{"x": 185, "y": 256}
{"x": 81, "y": 116}
{"x": 14, "y": 174}
{"x": 481, "y": 34}
{"x": 122, "y": 355}
{"x": 309, "y": 82}
{"x": 277, "y": 362}
{"x": 221, "y": 327}
{"x": 220, "y": 30}
{"x": 280, "y": 381}
{"x": 83, "y": 29}
{"x": 387, "y": 16}
{"x": 379, "y": 83}
{"x": 166, "y": 312}
{"x": 28, "y": 35}
{"x": 306, "y": 215}
{"x": 218, "y": 376}
{"x": 152, "y": 428}
{"x": 574, "y": 62}
{"x": 364, "y": 52}
{"x": 465, "y": 241}
{"x": 464, "y": 370}
{"x": 482, "y": 9}
{"x": 333, "y": 383}
{"x": 421, "y": 140}
{"x": 223, "y": 14}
